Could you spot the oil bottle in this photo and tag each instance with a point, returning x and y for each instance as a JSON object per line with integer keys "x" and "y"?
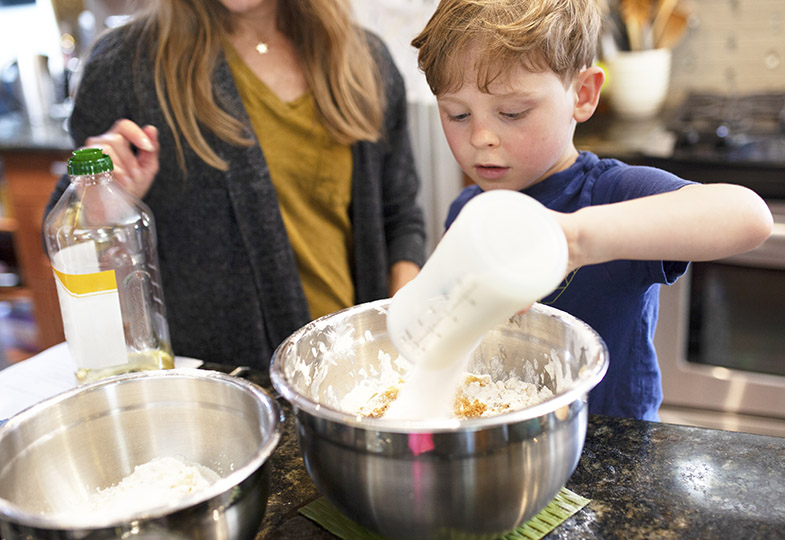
{"x": 102, "y": 245}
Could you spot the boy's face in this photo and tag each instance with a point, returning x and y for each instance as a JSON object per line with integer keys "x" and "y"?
{"x": 516, "y": 135}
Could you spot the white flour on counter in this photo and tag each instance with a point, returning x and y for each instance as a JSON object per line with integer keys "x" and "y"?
{"x": 161, "y": 481}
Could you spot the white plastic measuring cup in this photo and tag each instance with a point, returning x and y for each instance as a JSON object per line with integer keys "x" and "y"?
{"x": 503, "y": 252}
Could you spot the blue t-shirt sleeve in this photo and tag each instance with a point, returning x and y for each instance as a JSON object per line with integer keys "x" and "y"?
{"x": 609, "y": 181}
{"x": 460, "y": 201}
{"x": 633, "y": 182}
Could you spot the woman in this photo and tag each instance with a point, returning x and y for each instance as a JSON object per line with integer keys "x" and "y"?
{"x": 269, "y": 138}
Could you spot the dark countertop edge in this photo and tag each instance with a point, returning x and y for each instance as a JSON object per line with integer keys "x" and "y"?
{"x": 17, "y": 135}
{"x": 644, "y": 479}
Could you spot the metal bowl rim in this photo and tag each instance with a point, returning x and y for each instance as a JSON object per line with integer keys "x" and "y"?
{"x": 266, "y": 402}
{"x": 299, "y": 401}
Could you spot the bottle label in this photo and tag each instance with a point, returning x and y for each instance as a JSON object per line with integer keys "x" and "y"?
{"x": 90, "y": 306}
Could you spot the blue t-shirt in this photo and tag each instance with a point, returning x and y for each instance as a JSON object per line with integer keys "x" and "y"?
{"x": 619, "y": 299}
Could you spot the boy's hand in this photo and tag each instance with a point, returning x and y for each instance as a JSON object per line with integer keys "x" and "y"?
{"x": 134, "y": 171}
{"x": 568, "y": 227}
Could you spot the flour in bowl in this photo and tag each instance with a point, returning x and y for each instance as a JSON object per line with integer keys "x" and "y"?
{"x": 369, "y": 380}
{"x": 479, "y": 395}
{"x": 161, "y": 481}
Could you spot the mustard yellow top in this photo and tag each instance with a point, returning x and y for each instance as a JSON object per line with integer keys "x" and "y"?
{"x": 312, "y": 175}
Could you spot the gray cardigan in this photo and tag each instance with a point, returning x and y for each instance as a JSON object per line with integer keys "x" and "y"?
{"x": 231, "y": 285}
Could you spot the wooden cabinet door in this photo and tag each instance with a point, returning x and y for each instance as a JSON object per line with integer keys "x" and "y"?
{"x": 31, "y": 177}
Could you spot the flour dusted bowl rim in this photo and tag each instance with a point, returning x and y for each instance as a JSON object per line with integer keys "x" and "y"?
{"x": 477, "y": 478}
{"x": 592, "y": 373}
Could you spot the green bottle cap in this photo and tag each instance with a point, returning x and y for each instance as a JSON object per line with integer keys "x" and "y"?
{"x": 89, "y": 161}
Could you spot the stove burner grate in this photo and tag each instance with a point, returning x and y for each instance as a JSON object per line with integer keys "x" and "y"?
{"x": 748, "y": 127}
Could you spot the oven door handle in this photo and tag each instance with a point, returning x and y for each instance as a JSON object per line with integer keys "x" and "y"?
{"x": 771, "y": 254}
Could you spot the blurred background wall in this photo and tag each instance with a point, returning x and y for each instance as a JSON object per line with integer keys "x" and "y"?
{"x": 730, "y": 46}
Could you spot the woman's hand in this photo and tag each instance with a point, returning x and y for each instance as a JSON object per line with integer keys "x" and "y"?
{"x": 134, "y": 171}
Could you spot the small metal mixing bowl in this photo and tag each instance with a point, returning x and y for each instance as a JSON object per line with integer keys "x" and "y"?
{"x": 55, "y": 454}
{"x": 474, "y": 478}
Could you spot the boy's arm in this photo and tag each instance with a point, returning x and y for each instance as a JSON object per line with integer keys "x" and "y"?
{"x": 698, "y": 222}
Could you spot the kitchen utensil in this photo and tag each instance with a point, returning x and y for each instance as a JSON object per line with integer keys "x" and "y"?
{"x": 663, "y": 12}
{"x": 433, "y": 478}
{"x": 56, "y": 453}
{"x": 504, "y": 251}
{"x": 636, "y": 15}
{"x": 614, "y": 24}
{"x": 673, "y": 29}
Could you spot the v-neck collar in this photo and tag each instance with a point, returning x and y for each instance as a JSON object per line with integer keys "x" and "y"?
{"x": 239, "y": 68}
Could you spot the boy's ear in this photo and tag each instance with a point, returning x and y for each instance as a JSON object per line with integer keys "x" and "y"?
{"x": 587, "y": 92}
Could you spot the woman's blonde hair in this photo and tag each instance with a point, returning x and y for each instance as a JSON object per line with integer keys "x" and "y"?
{"x": 189, "y": 36}
{"x": 560, "y": 35}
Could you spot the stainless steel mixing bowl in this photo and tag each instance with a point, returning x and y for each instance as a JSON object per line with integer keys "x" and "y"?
{"x": 475, "y": 478}
{"x": 56, "y": 453}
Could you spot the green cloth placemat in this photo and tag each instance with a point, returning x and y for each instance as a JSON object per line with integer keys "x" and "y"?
{"x": 565, "y": 504}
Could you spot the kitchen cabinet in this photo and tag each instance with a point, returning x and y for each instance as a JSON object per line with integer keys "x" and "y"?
{"x": 30, "y": 177}
{"x": 32, "y": 161}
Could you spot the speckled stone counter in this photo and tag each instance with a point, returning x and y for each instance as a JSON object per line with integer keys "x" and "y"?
{"x": 16, "y": 134}
{"x": 652, "y": 480}
{"x": 644, "y": 479}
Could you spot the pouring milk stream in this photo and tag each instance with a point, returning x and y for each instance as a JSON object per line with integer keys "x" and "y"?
{"x": 503, "y": 252}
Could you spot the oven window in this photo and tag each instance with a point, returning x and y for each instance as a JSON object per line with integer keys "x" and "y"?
{"x": 737, "y": 317}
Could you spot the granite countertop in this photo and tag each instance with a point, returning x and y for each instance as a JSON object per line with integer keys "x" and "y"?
{"x": 644, "y": 479}
{"x": 16, "y": 134}
{"x": 651, "y": 142}
{"x": 603, "y": 135}
{"x": 629, "y": 140}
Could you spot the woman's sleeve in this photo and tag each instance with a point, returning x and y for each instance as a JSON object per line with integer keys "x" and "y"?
{"x": 101, "y": 98}
{"x": 404, "y": 223}
{"x": 105, "y": 90}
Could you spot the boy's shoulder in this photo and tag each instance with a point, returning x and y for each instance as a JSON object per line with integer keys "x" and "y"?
{"x": 459, "y": 202}
{"x": 591, "y": 180}
{"x": 467, "y": 193}
{"x": 620, "y": 180}
{"x": 603, "y": 180}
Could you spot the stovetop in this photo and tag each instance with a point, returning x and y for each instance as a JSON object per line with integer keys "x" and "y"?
{"x": 746, "y": 128}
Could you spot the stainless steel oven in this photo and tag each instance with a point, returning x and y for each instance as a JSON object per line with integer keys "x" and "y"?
{"x": 721, "y": 341}
{"x": 721, "y": 331}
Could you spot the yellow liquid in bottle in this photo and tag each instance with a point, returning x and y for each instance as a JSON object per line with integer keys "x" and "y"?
{"x": 137, "y": 361}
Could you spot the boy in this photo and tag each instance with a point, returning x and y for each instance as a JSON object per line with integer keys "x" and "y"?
{"x": 512, "y": 79}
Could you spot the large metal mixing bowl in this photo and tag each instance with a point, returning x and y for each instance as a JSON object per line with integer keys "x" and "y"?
{"x": 58, "y": 452}
{"x": 475, "y": 478}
